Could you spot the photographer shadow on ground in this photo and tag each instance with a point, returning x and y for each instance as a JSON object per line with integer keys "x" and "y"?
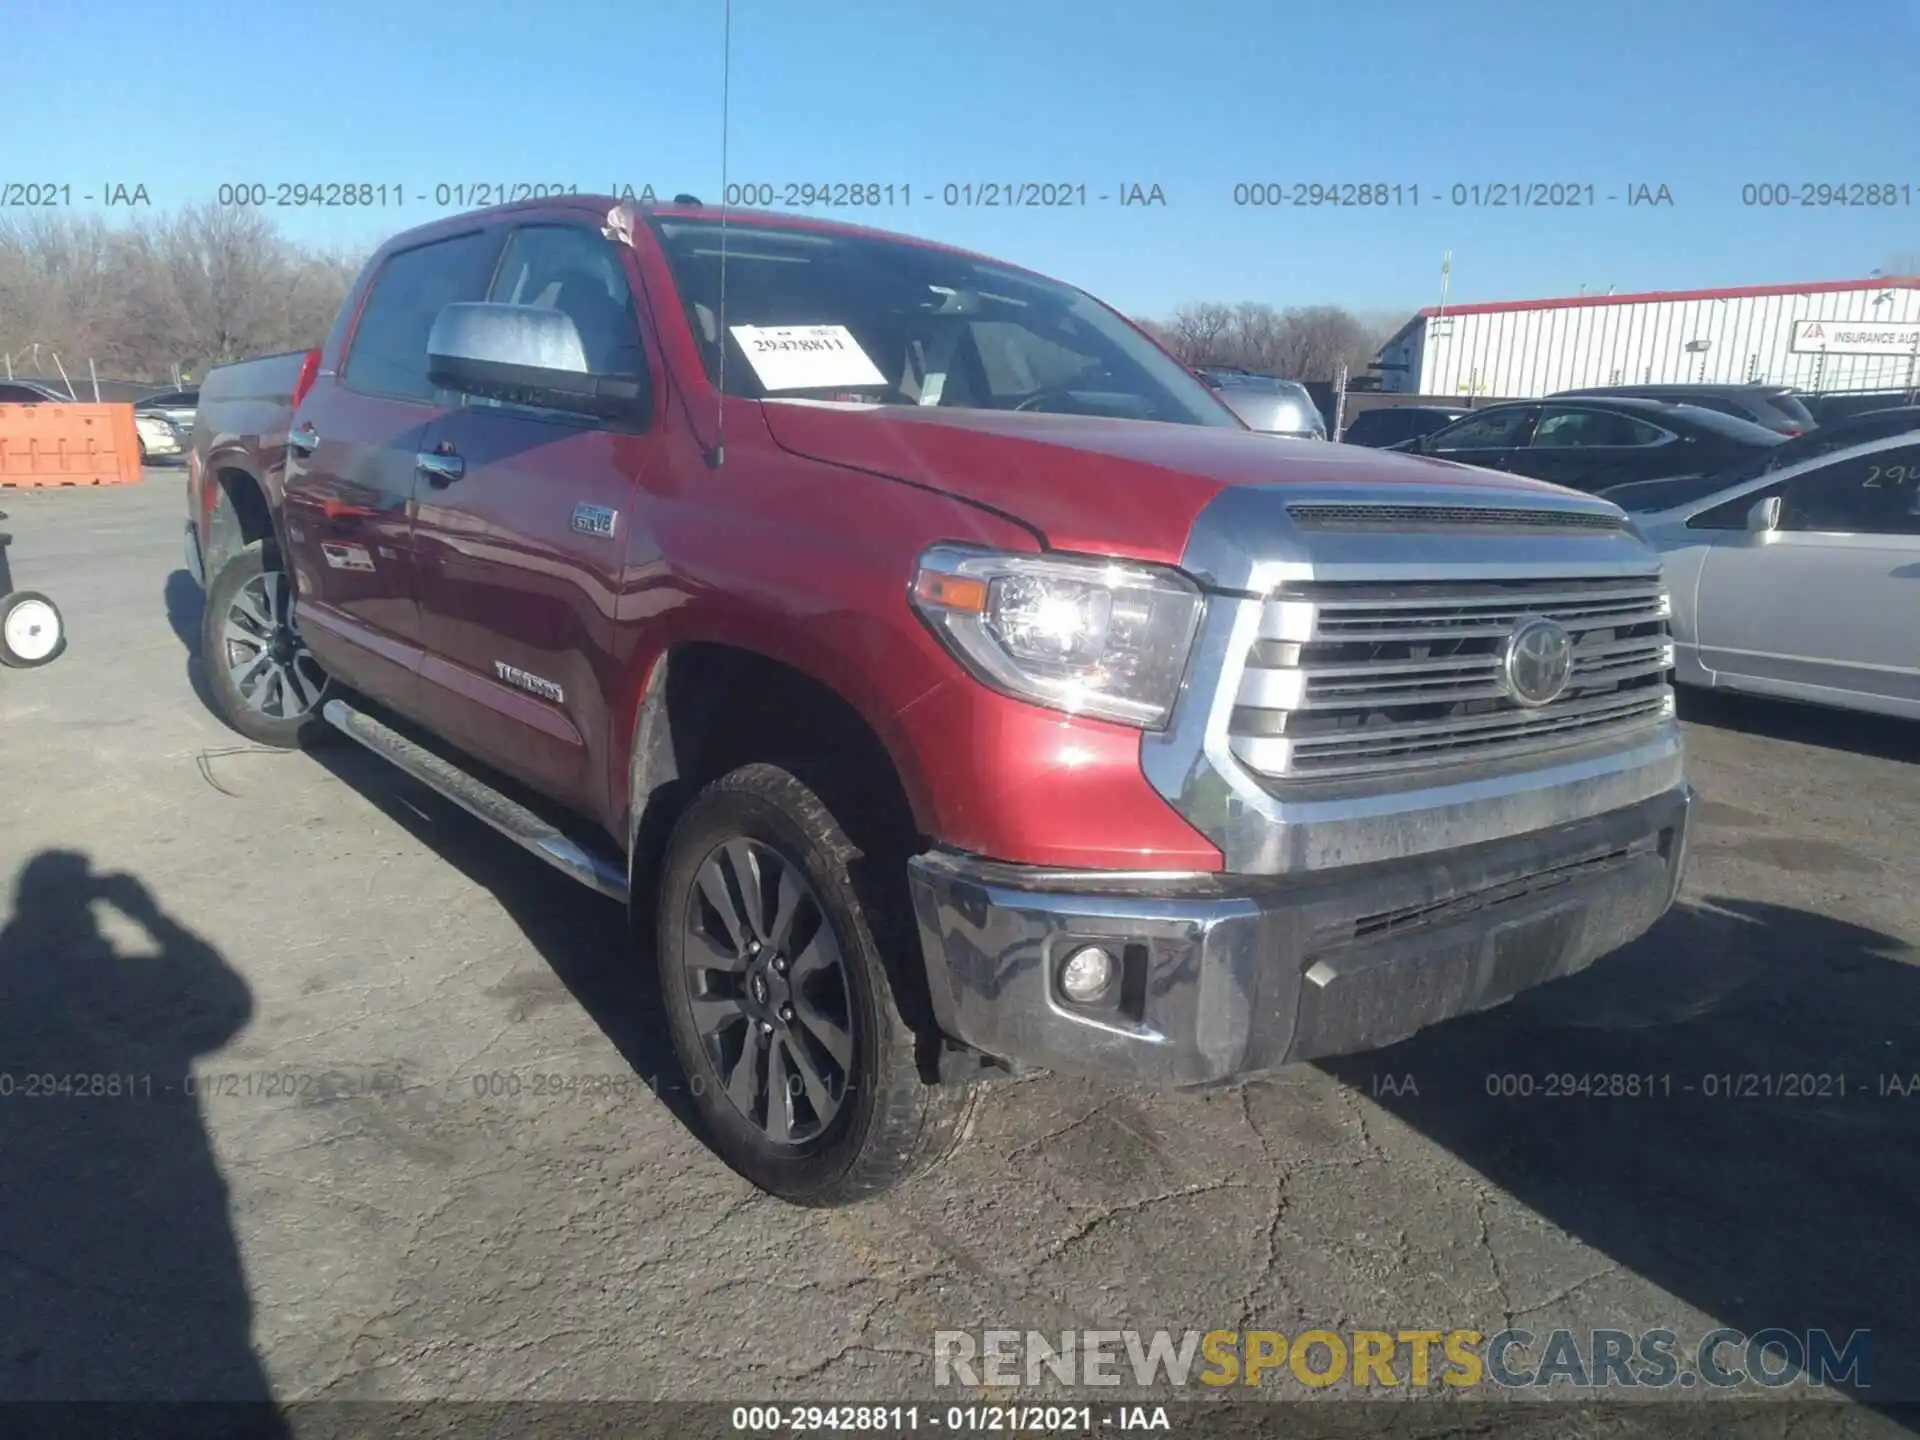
{"x": 1764, "y": 1166}
{"x": 120, "y": 1275}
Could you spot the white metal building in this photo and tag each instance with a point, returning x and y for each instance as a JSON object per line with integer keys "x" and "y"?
{"x": 1534, "y": 347}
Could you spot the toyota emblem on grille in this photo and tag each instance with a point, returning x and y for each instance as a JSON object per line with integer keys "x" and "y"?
{"x": 1538, "y": 660}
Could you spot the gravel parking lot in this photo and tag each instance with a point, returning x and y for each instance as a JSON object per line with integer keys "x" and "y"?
{"x": 457, "y": 1186}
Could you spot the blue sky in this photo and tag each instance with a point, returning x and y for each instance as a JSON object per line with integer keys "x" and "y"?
{"x": 1194, "y": 96}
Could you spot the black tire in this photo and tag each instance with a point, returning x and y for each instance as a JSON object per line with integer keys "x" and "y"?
{"x": 35, "y": 610}
{"x": 890, "y": 1122}
{"x": 285, "y": 725}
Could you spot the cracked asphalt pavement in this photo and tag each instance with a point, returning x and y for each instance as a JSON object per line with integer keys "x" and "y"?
{"x": 394, "y": 1119}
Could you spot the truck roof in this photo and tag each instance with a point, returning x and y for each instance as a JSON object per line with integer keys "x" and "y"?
{"x": 599, "y": 205}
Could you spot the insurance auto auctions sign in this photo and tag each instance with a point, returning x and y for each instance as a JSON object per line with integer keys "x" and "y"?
{"x": 1855, "y": 337}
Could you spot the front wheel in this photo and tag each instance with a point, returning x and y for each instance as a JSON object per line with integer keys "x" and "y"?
{"x": 264, "y": 681}
{"x": 782, "y": 1009}
{"x": 31, "y": 631}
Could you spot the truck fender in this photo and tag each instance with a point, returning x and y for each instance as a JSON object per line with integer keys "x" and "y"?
{"x": 240, "y": 514}
{"x": 674, "y": 718}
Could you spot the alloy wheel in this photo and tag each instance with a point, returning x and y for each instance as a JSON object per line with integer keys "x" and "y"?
{"x": 270, "y": 665}
{"x": 768, "y": 987}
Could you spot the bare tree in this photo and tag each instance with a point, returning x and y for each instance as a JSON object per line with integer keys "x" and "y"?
{"x": 1317, "y": 338}
{"x": 1200, "y": 333}
{"x": 1301, "y": 343}
{"x": 56, "y": 286}
{"x": 1259, "y": 333}
{"x": 189, "y": 288}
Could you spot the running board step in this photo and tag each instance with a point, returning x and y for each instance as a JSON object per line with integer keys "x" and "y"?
{"x": 600, "y": 872}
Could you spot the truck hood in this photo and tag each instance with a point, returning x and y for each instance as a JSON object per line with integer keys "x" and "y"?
{"x": 1130, "y": 488}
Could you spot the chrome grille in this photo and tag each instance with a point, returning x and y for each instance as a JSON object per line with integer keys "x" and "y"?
{"x": 1365, "y": 516}
{"x": 1351, "y": 680}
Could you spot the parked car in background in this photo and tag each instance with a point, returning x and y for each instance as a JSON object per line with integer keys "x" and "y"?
{"x": 1595, "y": 444}
{"x": 177, "y": 405}
{"x": 30, "y": 392}
{"x": 1778, "y": 407}
{"x": 1837, "y": 405}
{"x": 1647, "y": 495}
{"x": 1803, "y": 583}
{"x": 1391, "y": 424}
{"x": 160, "y": 438}
{"x": 1270, "y": 405}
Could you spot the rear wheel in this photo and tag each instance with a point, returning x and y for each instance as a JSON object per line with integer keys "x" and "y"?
{"x": 31, "y": 631}
{"x": 264, "y": 681}
{"x": 782, "y": 1008}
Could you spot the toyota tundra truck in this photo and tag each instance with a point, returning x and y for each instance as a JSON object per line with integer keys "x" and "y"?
{"x": 944, "y": 678}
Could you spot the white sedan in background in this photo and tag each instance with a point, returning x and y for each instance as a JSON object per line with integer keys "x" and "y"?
{"x": 160, "y": 438}
{"x": 1803, "y": 583}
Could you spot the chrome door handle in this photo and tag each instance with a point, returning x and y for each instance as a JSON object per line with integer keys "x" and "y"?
{"x": 305, "y": 440}
{"x": 440, "y": 470}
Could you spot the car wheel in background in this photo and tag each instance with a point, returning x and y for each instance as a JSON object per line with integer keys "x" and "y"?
{"x": 264, "y": 681}
{"x": 31, "y": 630}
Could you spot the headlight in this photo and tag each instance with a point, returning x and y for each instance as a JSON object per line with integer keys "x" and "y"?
{"x": 1077, "y": 633}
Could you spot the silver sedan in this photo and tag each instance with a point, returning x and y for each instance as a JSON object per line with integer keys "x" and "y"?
{"x": 1273, "y": 407}
{"x": 1803, "y": 583}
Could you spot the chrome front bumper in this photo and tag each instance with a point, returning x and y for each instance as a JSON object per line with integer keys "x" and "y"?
{"x": 1225, "y": 975}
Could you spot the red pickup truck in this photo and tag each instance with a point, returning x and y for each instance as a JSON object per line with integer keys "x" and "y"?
{"x": 948, "y": 680}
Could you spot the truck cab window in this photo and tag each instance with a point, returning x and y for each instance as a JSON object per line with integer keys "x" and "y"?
{"x": 574, "y": 271}
{"x": 389, "y": 348}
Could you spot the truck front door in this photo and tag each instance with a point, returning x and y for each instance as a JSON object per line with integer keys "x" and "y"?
{"x": 525, "y": 520}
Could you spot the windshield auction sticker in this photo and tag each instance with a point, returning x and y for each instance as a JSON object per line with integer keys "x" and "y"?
{"x": 806, "y": 357}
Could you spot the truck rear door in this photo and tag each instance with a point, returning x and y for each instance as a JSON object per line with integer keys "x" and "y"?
{"x": 352, "y": 453}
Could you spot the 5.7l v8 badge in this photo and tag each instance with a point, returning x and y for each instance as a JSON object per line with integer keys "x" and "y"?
{"x": 595, "y": 520}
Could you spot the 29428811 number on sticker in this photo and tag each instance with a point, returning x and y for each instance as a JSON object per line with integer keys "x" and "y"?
{"x": 806, "y": 357}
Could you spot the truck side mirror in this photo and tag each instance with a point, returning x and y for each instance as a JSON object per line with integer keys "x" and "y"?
{"x": 1763, "y": 520}
{"x": 524, "y": 355}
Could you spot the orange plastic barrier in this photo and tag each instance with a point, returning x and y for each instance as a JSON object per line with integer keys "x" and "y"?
{"x": 55, "y": 444}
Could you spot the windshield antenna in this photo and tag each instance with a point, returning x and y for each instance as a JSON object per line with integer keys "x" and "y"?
{"x": 719, "y": 454}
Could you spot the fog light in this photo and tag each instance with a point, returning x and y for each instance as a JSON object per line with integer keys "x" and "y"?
{"x": 1088, "y": 974}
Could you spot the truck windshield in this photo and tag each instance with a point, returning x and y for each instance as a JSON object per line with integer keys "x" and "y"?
{"x": 833, "y": 316}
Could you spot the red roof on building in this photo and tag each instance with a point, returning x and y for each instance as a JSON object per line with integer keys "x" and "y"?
{"x": 1645, "y": 297}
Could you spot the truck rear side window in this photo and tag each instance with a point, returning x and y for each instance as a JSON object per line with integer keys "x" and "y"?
{"x": 389, "y": 353}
